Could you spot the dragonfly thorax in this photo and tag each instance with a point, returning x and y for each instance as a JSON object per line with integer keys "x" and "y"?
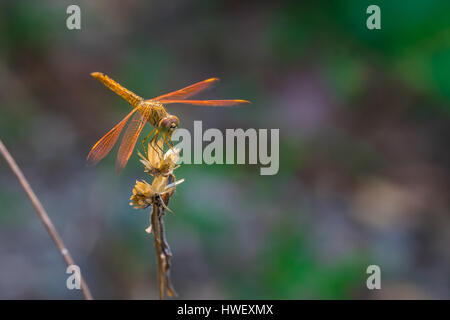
{"x": 154, "y": 112}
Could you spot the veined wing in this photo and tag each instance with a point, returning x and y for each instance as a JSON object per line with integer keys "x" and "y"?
{"x": 129, "y": 96}
{"x": 105, "y": 144}
{"x": 188, "y": 91}
{"x": 209, "y": 103}
{"x": 129, "y": 139}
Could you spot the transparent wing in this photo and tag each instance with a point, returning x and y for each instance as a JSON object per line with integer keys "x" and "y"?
{"x": 129, "y": 96}
{"x": 129, "y": 139}
{"x": 210, "y": 103}
{"x": 105, "y": 144}
{"x": 188, "y": 91}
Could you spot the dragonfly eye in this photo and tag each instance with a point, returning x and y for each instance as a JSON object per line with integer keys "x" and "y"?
{"x": 169, "y": 123}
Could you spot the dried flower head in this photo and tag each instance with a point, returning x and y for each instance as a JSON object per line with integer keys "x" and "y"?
{"x": 160, "y": 166}
{"x": 156, "y": 163}
{"x": 142, "y": 195}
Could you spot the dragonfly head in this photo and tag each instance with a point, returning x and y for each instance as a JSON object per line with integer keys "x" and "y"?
{"x": 168, "y": 124}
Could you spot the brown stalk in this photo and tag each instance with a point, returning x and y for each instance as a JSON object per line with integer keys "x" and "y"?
{"x": 157, "y": 236}
{"x": 163, "y": 253}
{"x": 43, "y": 216}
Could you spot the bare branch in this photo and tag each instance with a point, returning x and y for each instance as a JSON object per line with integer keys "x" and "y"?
{"x": 43, "y": 216}
{"x": 163, "y": 253}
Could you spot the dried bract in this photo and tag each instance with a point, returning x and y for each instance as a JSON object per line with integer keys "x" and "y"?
{"x": 160, "y": 166}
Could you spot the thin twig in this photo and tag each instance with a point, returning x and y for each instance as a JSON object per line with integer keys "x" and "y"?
{"x": 159, "y": 254}
{"x": 163, "y": 253}
{"x": 43, "y": 216}
{"x": 167, "y": 256}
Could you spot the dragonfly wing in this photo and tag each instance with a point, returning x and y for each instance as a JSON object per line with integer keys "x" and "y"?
{"x": 210, "y": 103}
{"x": 105, "y": 144}
{"x": 129, "y": 96}
{"x": 188, "y": 91}
{"x": 129, "y": 139}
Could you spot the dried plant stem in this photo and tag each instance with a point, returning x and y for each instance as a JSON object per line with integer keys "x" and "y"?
{"x": 43, "y": 216}
{"x": 167, "y": 254}
{"x": 163, "y": 253}
{"x": 158, "y": 248}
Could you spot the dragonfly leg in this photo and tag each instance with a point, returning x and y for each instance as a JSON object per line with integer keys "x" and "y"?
{"x": 169, "y": 138}
{"x": 145, "y": 139}
{"x": 155, "y": 141}
{"x": 162, "y": 149}
{"x": 170, "y": 145}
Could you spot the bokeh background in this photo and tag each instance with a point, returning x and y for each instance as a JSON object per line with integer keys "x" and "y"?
{"x": 364, "y": 154}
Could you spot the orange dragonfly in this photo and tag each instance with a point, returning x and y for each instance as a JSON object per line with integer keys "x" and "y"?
{"x": 152, "y": 111}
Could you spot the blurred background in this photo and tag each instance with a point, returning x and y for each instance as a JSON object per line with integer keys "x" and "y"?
{"x": 364, "y": 121}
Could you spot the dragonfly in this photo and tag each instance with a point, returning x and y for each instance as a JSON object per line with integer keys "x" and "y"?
{"x": 151, "y": 111}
